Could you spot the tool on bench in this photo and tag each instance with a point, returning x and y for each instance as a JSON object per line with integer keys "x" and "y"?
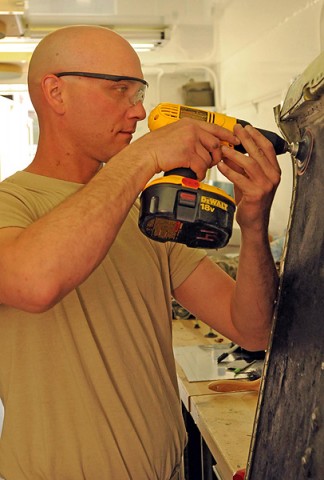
{"x": 235, "y": 385}
{"x": 179, "y": 208}
{"x": 224, "y": 355}
{"x": 251, "y": 382}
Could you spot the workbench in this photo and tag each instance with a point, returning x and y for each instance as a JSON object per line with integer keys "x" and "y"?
{"x": 221, "y": 424}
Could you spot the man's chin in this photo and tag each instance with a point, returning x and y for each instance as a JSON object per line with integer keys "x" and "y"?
{"x": 116, "y": 151}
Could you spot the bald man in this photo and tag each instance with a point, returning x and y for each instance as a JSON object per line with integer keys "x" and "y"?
{"x": 87, "y": 373}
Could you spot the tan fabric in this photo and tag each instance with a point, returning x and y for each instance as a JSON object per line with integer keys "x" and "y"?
{"x": 89, "y": 387}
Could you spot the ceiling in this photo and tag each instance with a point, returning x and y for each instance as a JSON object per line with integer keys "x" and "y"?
{"x": 34, "y": 18}
{"x": 146, "y": 12}
{"x": 24, "y": 23}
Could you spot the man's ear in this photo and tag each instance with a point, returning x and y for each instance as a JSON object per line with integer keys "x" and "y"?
{"x": 52, "y": 89}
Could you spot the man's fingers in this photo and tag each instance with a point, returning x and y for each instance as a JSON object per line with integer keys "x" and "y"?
{"x": 258, "y": 146}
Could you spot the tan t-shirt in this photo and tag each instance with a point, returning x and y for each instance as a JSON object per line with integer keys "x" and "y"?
{"x": 89, "y": 387}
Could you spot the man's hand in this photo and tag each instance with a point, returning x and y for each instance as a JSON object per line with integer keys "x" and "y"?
{"x": 256, "y": 177}
{"x": 186, "y": 143}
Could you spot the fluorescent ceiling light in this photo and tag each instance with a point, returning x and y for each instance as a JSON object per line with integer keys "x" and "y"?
{"x": 29, "y": 46}
{"x": 149, "y": 46}
{"x": 142, "y": 47}
{"x": 8, "y": 45}
{"x": 141, "y": 38}
{"x": 7, "y": 89}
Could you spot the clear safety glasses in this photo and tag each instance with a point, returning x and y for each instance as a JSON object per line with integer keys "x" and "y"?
{"x": 134, "y": 98}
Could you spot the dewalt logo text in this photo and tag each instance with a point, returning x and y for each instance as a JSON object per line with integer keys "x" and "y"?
{"x": 209, "y": 203}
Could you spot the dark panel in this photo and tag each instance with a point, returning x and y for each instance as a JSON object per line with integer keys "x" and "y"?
{"x": 288, "y": 437}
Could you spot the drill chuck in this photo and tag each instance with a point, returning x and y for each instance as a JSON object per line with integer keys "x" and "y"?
{"x": 279, "y": 144}
{"x": 298, "y": 150}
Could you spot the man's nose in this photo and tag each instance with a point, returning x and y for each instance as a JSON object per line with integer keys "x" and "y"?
{"x": 138, "y": 110}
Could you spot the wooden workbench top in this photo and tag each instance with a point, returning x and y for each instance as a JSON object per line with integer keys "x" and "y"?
{"x": 225, "y": 420}
{"x": 185, "y": 332}
{"x": 194, "y": 332}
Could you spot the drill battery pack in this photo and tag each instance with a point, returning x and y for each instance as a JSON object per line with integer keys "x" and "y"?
{"x": 183, "y": 210}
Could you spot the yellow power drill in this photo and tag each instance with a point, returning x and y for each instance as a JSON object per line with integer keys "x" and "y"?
{"x": 179, "y": 208}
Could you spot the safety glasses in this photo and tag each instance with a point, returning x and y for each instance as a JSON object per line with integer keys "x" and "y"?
{"x": 137, "y": 97}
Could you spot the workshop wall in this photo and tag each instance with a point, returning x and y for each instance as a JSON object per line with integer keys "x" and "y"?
{"x": 270, "y": 47}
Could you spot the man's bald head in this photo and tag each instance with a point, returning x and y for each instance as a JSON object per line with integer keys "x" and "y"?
{"x": 81, "y": 48}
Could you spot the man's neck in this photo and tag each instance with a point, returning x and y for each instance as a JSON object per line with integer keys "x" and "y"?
{"x": 63, "y": 172}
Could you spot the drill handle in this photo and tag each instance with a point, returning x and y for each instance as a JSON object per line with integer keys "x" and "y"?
{"x": 182, "y": 172}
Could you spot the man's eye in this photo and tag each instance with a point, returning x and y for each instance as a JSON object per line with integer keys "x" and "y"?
{"x": 122, "y": 88}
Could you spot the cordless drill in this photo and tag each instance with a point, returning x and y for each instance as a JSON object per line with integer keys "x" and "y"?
{"x": 179, "y": 208}
{"x": 166, "y": 113}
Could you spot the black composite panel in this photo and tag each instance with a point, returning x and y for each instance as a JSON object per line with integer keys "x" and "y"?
{"x": 288, "y": 437}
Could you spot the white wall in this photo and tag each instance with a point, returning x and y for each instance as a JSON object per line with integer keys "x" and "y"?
{"x": 15, "y": 136}
{"x": 263, "y": 47}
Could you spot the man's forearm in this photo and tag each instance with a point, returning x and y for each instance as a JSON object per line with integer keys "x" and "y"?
{"x": 255, "y": 291}
{"x": 67, "y": 244}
